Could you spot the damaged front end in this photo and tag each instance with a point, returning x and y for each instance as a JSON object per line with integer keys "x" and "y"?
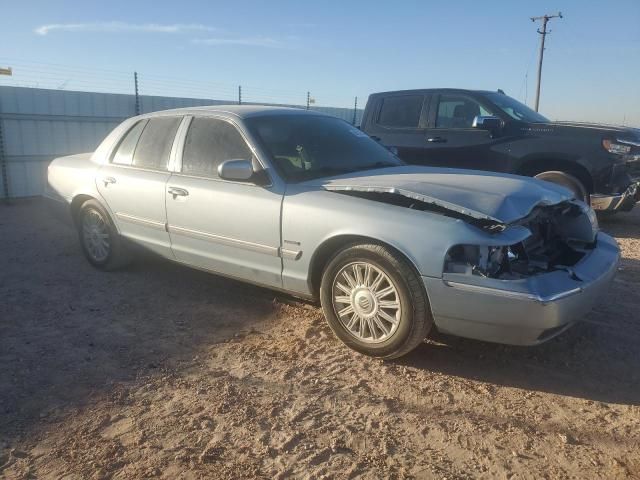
{"x": 560, "y": 236}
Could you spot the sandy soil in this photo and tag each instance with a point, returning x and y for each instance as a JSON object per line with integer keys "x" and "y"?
{"x": 161, "y": 371}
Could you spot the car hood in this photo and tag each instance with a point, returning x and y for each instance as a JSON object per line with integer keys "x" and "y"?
{"x": 480, "y": 195}
{"x": 626, "y": 132}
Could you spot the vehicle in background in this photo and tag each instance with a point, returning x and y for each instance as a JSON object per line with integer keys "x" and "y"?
{"x": 306, "y": 203}
{"x": 484, "y": 130}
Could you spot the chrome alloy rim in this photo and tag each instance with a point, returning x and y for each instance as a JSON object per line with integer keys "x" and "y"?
{"x": 95, "y": 235}
{"x": 366, "y": 302}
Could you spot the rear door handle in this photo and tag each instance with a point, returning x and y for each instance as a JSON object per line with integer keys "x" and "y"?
{"x": 177, "y": 192}
{"x": 108, "y": 180}
{"x": 436, "y": 140}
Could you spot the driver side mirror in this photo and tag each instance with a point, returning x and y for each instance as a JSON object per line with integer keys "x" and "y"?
{"x": 487, "y": 122}
{"x": 239, "y": 170}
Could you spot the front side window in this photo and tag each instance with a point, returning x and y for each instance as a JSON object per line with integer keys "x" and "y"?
{"x": 401, "y": 111}
{"x": 124, "y": 153}
{"x": 154, "y": 146}
{"x": 456, "y": 111}
{"x": 210, "y": 142}
{"x": 303, "y": 147}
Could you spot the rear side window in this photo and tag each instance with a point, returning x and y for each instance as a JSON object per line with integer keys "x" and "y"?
{"x": 124, "y": 153}
{"x": 403, "y": 111}
{"x": 155, "y": 143}
{"x": 210, "y": 142}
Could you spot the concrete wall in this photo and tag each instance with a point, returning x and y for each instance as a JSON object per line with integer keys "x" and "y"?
{"x": 38, "y": 125}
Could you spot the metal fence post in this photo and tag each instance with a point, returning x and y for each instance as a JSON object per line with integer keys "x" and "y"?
{"x": 239, "y": 94}
{"x": 3, "y": 163}
{"x": 135, "y": 82}
{"x": 355, "y": 111}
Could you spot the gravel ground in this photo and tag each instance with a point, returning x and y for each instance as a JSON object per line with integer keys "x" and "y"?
{"x": 162, "y": 371}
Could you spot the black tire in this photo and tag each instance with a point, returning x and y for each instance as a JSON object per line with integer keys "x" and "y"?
{"x": 568, "y": 181}
{"x": 117, "y": 254}
{"x": 415, "y": 320}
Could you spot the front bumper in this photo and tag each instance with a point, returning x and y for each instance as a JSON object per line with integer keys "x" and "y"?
{"x": 622, "y": 202}
{"x": 523, "y": 312}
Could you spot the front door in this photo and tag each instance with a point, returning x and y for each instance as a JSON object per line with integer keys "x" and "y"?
{"x": 232, "y": 228}
{"x": 133, "y": 184}
{"x": 452, "y": 141}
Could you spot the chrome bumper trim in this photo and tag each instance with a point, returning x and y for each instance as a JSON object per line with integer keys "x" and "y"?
{"x": 611, "y": 203}
{"x": 544, "y": 300}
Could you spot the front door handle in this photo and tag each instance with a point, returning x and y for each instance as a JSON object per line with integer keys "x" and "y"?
{"x": 436, "y": 140}
{"x": 108, "y": 180}
{"x": 177, "y": 192}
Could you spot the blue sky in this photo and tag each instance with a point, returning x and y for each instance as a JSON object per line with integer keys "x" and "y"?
{"x": 336, "y": 49}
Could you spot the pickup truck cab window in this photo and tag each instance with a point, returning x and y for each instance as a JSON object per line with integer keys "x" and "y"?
{"x": 401, "y": 111}
{"x": 457, "y": 111}
{"x": 155, "y": 143}
{"x": 209, "y": 142}
{"x": 124, "y": 153}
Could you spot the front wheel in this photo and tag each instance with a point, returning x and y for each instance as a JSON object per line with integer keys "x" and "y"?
{"x": 568, "y": 181}
{"x": 374, "y": 301}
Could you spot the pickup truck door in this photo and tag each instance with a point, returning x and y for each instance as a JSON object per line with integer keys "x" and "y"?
{"x": 398, "y": 122}
{"x": 231, "y": 228}
{"x": 451, "y": 141}
{"x": 133, "y": 183}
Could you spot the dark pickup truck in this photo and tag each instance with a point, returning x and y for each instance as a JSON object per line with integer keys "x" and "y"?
{"x": 486, "y": 130}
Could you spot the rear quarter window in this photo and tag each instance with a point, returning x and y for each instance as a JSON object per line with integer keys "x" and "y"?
{"x": 401, "y": 111}
{"x": 155, "y": 143}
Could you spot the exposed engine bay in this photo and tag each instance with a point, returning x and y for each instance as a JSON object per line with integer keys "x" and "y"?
{"x": 560, "y": 236}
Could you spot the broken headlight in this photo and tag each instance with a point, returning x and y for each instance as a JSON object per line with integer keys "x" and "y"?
{"x": 484, "y": 261}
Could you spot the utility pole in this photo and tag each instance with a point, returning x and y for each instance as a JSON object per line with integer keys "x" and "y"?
{"x": 135, "y": 83}
{"x": 239, "y": 94}
{"x": 355, "y": 111}
{"x": 308, "y": 99}
{"x": 545, "y": 19}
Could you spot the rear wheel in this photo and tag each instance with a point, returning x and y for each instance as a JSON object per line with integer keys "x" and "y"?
{"x": 374, "y": 301}
{"x": 101, "y": 243}
{"x": 568, "y": 181}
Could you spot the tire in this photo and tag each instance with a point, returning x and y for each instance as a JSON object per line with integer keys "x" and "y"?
{"x": 568, "y": 181}
{"x": 103, "y": 247}
{"x": 354, "y": 307}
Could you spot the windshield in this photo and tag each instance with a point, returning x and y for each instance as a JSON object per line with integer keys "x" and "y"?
{"x": 515, "y": 109}
{"x": 306, "y": 147}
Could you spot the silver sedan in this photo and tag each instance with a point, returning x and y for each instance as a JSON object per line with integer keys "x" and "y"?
{"x": 307, "y": 204}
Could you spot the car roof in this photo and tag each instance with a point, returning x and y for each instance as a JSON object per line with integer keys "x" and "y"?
{"x": 421, "y": 91}
{"x": 236, "y": 111}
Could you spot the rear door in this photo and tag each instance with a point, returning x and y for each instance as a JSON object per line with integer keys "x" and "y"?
{"x": 133, "y": 183}
{"x": 452, "y": 141}
{"x": 398, "y": 121}
{"x": 232, "y": 228}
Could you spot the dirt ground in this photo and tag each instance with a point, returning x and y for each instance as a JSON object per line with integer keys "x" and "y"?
{"x": 162, "y": 371}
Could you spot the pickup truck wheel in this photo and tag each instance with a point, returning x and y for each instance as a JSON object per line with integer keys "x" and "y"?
{"x": 566, "y": 180}
{"x": 101, "y": 243}
{"x": 374, "y": 301}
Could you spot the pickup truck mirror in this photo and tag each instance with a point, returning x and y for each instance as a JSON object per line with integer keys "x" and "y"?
{"x": 487, "y": 122}
{"x": 240, "y": 170}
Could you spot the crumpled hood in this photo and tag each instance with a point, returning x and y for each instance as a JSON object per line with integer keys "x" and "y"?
{"x": 481, "y": 195}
